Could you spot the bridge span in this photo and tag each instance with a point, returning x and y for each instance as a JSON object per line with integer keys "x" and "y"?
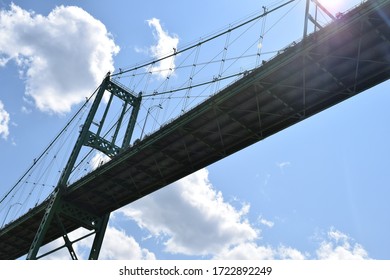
{"x": 347, "y": 57}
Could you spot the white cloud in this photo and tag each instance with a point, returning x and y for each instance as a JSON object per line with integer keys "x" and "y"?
{"x": 337, "y": 236}
{"x": 4, "y": 121}
{"x": 119, "y": 246}
{"x": 190, "y": 217}
{"x": 254, "y": 251}
{"x": 288, "y": 253}
{"x": 62, "y": 56}
{"x": 99, "y": 159}
{"x": 265, "y": 222}
{"x": 336, "y": 246}
{"x": 283, "y": 165}
{"x": 193, "y": 217}
{"x": 25, "y": 110}
{"x": 340, "y": 246}
{"x": 246, "y": 251}
{"x": 166, "y": 45}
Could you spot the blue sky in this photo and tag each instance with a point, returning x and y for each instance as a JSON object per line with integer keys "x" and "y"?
{"x": 317, "y": 190}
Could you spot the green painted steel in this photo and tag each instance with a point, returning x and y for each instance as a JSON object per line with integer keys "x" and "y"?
{"x": 99, "y": 236}
{"x": 59, "y": 209}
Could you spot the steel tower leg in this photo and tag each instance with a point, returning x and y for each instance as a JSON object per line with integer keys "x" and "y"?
{"x": 99, "y": 236}
{"x": 45, "y": 223}
{"x": 306, "y": 18}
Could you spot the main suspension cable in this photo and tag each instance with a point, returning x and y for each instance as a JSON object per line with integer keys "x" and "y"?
{"x": 201, "y": 42}
{"x": 49, "y": 146}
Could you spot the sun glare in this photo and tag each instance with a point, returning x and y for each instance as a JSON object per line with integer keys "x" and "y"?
{"x": 335, "y": 6}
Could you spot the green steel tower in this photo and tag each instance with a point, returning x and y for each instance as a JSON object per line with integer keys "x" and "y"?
{"x": 58, "y": 210}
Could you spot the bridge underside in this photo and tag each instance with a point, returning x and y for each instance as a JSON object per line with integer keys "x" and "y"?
{"x": 345, "y": 58}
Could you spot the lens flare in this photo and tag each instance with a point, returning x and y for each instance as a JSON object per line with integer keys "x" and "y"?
{"x": 335, "y": 6}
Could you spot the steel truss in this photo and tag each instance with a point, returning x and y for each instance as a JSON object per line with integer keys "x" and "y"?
{"x": 59, "y": 211}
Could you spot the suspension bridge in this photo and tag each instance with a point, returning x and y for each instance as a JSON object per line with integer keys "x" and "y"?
{"x": 236, "y": 108}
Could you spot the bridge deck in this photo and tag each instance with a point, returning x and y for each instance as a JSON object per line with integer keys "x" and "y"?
{"x": 345, "y": 58}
